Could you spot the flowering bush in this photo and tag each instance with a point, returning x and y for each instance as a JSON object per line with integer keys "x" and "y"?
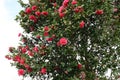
{"x": 68, "y": 39}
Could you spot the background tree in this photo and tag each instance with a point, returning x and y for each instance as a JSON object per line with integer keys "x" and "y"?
{"x": 68, "y": 39}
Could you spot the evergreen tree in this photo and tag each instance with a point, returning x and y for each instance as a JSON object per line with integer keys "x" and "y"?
{"x": 68, "y": 39}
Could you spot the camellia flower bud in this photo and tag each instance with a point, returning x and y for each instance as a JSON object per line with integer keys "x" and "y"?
{"x": 79, "y": 66}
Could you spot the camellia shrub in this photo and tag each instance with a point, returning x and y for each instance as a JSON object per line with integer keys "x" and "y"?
{"x": 68, "y": 40}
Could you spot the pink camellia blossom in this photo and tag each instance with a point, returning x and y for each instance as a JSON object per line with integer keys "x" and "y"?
{"x": 43, "y": 70}
{"x": 37, "y": 13}
{"x": 65, "y": 3}
{"x": 74, "y": 2}
{"x": 99, "y": 12}
{"x": 82, "y": 24}
{"x": 61, "y": 9}
{"x": 45, "y": 13}
{"x": 28, "y": 10}
{"x": 21, "y": 72}
{"x": 63, "y": 41}
{"x": 46, "y": 28}
{"x": 34, "y": 7}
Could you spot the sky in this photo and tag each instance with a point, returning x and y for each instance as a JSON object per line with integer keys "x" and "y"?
{"x": 9, "y": 30}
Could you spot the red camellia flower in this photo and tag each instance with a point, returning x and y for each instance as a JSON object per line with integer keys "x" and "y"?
{"x": 34, "y": 7}
{"x": 30, "y": 53}
{"x": 46, "y": 33}
{"x": 22, "y": 61}
{"x": 49, "y": 39}
{"x": 17, "y": 58}
{"x": 32, "y": 17}
{"x": 23, "y": 50}
{"x": 21, "y": 72}
{"x": 29, "y": 69}
{"x": 45, "y": 13}
{"x": 74, "y": 2}
{"x": 78, "y": 9}
{"x": 82, "y": 24}
{"x": 36, "y": 49}
{"x": 61, "y": 15}
{"x": 37, "y": 13}
{"x": 46, "y": 28}
{"x": 28, "y": 10}
{"x": 63, "y": 41}
{"x": 99, "y": 12}
{"x": 43, "y": 70}
{"x": 79, "y": 66}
